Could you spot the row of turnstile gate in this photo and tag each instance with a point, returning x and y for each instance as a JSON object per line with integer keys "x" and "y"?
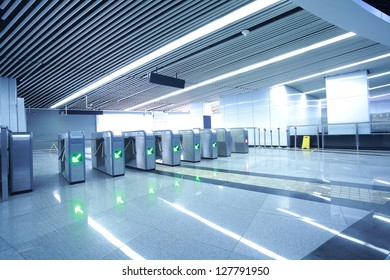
{"x": 111, "y": 151}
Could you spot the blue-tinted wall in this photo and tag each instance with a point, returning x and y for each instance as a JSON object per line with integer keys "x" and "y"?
{"x": 46, "y": 124}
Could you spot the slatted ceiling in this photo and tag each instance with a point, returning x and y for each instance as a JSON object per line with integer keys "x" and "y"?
{"x": 192, "y": 50}
{"x": 42, "y": 78}
{"x": 82, "y": 41}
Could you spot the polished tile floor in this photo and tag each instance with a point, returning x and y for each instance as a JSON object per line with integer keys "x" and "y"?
{"x": 268, "y": 204}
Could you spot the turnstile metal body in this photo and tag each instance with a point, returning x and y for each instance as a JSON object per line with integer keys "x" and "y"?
{"x": 239, "y": 140}
{"x": 208, "y": 143}
{"x": 140, "y": 149}
{"x": 4, "y": 162}
{"x": 167, "y": 147}
{"x": 107, "y": 152}
{"x": 224, "y": 142}
{"x": 71, "y": 157}
{"x": 190, "y": 145}
{"x": 20, "y": 162}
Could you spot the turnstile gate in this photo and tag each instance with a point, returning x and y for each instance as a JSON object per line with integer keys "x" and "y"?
{"x": 16, "y": 164}
{"x": 190, "y": 145}
{"x": 140, "y": 149}
{"x": 208, "y": 143}
{"x": 21, "y": 162}
{"x": 71, "y": 156}
{"x": 107, "y": 152}
{"x": 224, "y": 142}
{"x": 167, "y": 147}
{"x": 239, "y": 140}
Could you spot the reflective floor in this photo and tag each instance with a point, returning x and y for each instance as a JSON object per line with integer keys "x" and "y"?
{"x": 268, "y": 204}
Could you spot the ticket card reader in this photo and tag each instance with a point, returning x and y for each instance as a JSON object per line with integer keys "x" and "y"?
{"x": 239, "y": 140}
{"x": 224, "y": 142}
{"x": 190, "y": 145}
{"x": 71, "y": 156}
{"x": 140, "y": 149}
{"x": 208, "y": 143}
{"x": 167, "y": 143}
{"x": 107, "y": 151}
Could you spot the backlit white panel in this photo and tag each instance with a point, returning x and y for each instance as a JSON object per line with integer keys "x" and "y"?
{"x": 347, "y": 98}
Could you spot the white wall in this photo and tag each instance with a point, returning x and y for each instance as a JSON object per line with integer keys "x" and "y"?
{"x": 347, "y": 101}
{"x": 271, "y": 109}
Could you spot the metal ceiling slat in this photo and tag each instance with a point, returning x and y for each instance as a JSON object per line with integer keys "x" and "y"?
{"x": 39, "y": 38}
{"x": 24, "y": 34}
{"x": 9, "y": 11}
{"x": 28, "y": 37}
{"x": 89, "y": 47}
{"x": 64, "y": 48}
{"x": 21, "y": 26}
{"x": 4, "y": 4}
{"x": 39, "y": 47}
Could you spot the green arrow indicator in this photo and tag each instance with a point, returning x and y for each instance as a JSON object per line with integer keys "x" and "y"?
{"x": 77, "y": 158}
{"x": 119, "y": 200}
{"x": 176, "y": 148}
{"x": 177, "y": 184}
{"x": 151, "y": 191}
{"x": 149, "y": 151}
{"x": 78, "y": 210}
{"x": 197, "y": 179}
{"x": 118, "y": 154}
{"x": 197, "y": 146}
{"x": 214, "y": 144}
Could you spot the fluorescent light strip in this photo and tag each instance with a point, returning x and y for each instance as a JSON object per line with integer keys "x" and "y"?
{"x": 381, "y": 95}
{"x": 337, "y": 233}
{"x": 200, "y": 32}
{"x": 378, "y": 75}
{"x": 248, "y": 68}
{"x": 336, "y": 69}
{"x": 113, "y": 240}
{"x": 382, "y": 86}
{"x": 382, "y": 218}
{"x": 225, "y": 231}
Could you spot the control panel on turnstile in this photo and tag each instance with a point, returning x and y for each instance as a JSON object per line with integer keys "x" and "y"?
{"x": 167, "y": 144}
{"x": 208, "y": 143}
{"x": 224, "y": 142}
{"x": 140, "y": 149}
{"x": 107, "y": 151}
{"x": 71, "y": 156}
{"x": 190, "y": 145}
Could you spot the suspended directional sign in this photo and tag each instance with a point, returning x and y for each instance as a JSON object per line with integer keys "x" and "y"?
{"x": 118, "y": 154}
{"x": 76, "y": 158}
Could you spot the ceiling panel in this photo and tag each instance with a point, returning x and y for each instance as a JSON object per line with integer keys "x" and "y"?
{"x": 55, "y": 48}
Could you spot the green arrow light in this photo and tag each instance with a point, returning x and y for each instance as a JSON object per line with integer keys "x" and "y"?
{"x": 78, "y": 210}
{"x": 76, "y": 158}
{"x": 197, "y": 179}
{"x": 118, "y": 154}
{"x": 197, "y": 146}
{"x": 177, "y": 184}
{"x": 151, "y": 191}
{"x": 214, "y": 144}
{"x": 119, "y": 200}
{"x": 149, "y": 151}
{"x": 176, "y": 148}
